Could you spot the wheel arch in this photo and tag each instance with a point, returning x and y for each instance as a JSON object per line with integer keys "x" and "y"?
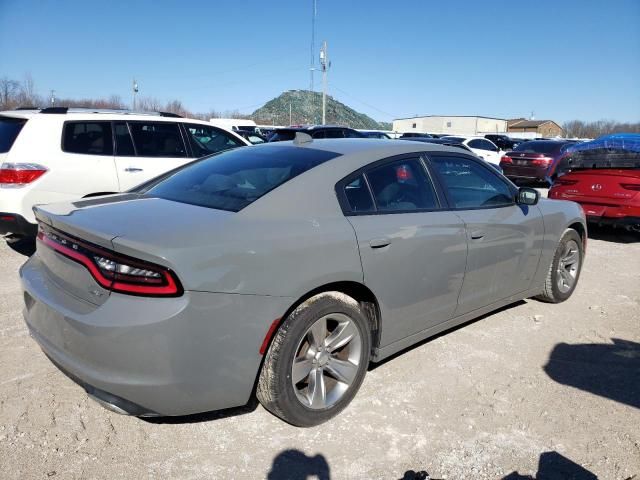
{"x": 582, "y": 231}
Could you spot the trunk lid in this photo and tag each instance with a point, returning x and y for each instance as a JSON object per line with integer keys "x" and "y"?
{"x": 602, "y": 185}
{"x": 148, "y": 229}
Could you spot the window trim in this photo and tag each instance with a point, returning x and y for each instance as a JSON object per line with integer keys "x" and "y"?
{"x": 344, "y": 203}
{"x": 115, "y": 144}
{"x": 63, "y": 134}
{"x": 450, "y": 203}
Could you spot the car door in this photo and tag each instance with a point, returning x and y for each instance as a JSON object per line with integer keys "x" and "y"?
{"x": 504, "y": 238}
{"x": 146, "y": 149}
{"x": 413, "y": 251}
{"x": 485, "y": 149}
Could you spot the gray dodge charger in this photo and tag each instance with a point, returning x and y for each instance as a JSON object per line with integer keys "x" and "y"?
{"x": 283, "y": 270}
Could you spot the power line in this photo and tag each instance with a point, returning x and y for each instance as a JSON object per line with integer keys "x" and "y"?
{"x": 333, "y": 85}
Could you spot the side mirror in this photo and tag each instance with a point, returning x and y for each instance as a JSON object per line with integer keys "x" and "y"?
{"x": 528, "y": 196}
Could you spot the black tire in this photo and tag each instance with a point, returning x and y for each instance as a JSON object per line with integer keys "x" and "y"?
{"x": 552, "y": 292}
{"x": 275, "y": 389}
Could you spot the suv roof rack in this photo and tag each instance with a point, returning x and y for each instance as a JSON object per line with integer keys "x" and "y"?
{"x": 65, "y": 110}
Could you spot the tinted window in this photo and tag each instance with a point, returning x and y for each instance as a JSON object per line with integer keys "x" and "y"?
{"x": 206, "y": 140}
{"x": 481, "y": 144}
{"x": 471, "y": 185}
{"x": 282, "y": 135}
{"x": 348, "y": 133}
{"x": 539, "y": 147}
{"x": 335, "y": 133}
{"x": 90, "y": 138}
{"x": 402, "y": 185}
{"x": 358, "y": 195}
{"x": 232, "y": 180}
{"x": 124, "y": 144}
{"x": 9, "y": 130}
{"x": 320, "y": 134}
{"x": 157, "y": 139}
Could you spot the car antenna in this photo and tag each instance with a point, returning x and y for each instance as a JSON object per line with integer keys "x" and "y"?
{"x": 302, "y": 138}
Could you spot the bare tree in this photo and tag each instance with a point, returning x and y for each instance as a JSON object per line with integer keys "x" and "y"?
{"x": 9, "y": 90}
{"x": 580, "y": 129}
{"x": 28, "y": 96}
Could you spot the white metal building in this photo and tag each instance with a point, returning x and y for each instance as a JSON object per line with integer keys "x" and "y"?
{"x": 451, "y": 124}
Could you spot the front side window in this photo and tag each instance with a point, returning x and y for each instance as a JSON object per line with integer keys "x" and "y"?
{"x": 482, "y": 145}
{"x": 471, "y": 185}
{"x": 206, "y": 140}
{"x": 157, "y": 139}
{"x": 89, "y": 138}
{"x": 234, "y": 179}
{"x": 402, "y": 185}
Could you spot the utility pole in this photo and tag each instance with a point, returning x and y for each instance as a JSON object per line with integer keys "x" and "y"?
{"x": 53, "y": 98}
{"x": 135, "y": 90}
{"x": 325, "y": 64}
{"x": 312, "y": 67}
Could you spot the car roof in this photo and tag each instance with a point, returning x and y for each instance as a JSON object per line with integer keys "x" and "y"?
{"x": 102, "y": 114}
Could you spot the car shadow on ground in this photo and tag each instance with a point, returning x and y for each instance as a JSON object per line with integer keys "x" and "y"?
{"x": 611, "y": 234}
{"x": 373, "y": 366}
{"x": 205, "y": 416}
{"x": 553, "y": 466}
{"x": 608, "y": 370}
{"x": 26, "y": 246}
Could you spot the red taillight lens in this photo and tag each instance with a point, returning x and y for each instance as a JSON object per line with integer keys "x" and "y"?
{"x": 631, "y": 186}
{"x": 113, "y": 271}
{"x": 541, "y": 162}
{"x": 17, "y": 174}
{"x": 506, "y": 160}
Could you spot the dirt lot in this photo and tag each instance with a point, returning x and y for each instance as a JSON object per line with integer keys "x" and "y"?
{"x": 532, "y": 389}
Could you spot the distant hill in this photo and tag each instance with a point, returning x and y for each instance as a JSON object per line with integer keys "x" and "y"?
{"x": 306, "y": 108}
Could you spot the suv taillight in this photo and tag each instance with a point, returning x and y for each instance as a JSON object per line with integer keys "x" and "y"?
{"x": 19, "y": 174}
{"x": 111, "y": 270}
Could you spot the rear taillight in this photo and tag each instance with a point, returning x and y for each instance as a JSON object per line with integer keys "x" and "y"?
{"x": 631, "y": 186}
{"x": 113, "y": 271}
{"x": 506, "y": 160}
{"x": 541, "y": 162}
{"x": 19, "y": 174}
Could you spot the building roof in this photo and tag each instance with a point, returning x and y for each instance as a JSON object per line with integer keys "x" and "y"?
{"x": 449, "y": 116}
{"x": 528, "y": 123}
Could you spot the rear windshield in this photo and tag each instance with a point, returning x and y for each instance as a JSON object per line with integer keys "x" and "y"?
{"x": 539, "y": 147}
{"x": 9, "y": 130}
{"x": 234, "y": 179}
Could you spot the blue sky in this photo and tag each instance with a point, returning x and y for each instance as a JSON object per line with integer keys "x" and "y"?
{"x": 562, "y": 60}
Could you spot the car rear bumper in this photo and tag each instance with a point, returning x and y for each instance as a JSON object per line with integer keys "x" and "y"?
{"x": 152, "y": 356}
{"x": 17, "y": 225}
{"x": 627, "y": 222}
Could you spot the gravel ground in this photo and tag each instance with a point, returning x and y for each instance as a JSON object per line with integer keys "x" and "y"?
{"x": 528, "y": 392}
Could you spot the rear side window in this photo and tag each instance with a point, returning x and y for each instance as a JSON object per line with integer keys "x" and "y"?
{"x": 234, "y": 179}
{"x": 88, "y": 138}
{"x": 157, "y": 139}
{"x": 9, "y": 131}
{"x": 206, "y": 140}
{"x": 282, "y": 135}
{"x": 471, "y": 185}
{"x": 402, "y": 185}
{"x": 358, "y": 196}
{"x": 334, "y": 133}
{"x": 539, "y": 147}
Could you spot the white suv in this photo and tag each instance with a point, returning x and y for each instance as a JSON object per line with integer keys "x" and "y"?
{"x": 58, "y": 154}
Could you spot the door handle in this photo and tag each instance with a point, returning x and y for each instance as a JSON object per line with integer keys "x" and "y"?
{"x": 477, "y": 234}
{"x": 379, "y": 242}
{"x": 133, "y": 169}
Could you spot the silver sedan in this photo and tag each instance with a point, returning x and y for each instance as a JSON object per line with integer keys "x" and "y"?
{"x": 283, "y": 270}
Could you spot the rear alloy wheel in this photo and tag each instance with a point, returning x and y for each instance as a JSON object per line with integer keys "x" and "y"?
{"x": 565, "y": 269}
{"x": 317, "y": 360}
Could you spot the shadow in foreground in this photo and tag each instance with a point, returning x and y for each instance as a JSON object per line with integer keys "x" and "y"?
{"x": 609, "y": 370}
{"x": 296, "y": 465}
{"x": 553, "y": 466}
{"x": 611, "y": 234}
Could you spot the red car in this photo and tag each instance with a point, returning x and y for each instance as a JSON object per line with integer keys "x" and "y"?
{"x": 533, "y": 161}
{"x": 607, "y": 196}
